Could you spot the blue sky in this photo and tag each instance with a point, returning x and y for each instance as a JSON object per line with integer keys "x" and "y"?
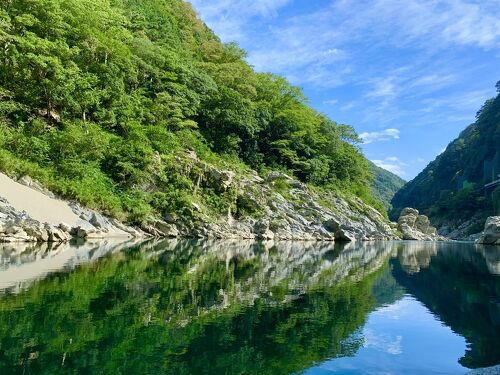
{"x": 409, "y": 75}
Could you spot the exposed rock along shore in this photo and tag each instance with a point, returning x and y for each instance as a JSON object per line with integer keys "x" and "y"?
{"x": 30, "y": 213}
{"x": 285, "y": 209}
{"x": 491, "y": 233}
{"x": 416, "y": 227}
{"x": 288, "y": 210}
{"x": 19, "y": 226}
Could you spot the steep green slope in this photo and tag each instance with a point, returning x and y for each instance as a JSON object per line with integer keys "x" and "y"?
{"x": 100, "y": 97}
{"x": 451, "y": 188}
{"x": 385, "y": 185}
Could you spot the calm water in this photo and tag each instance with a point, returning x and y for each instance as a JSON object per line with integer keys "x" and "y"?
{"x": 246, "y": 308}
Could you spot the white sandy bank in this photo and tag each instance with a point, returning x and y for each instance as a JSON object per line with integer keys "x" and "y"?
{"x": 36, "y": 204}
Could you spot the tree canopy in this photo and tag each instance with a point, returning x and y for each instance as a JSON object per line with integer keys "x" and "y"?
{"x": 94, "y": 92}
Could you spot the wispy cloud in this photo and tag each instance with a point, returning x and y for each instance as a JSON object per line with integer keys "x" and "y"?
{"x": 383, "y": 135}
{"x": 430, "y": 23}
{"x": 392, "y": 164}
{"x": 331, "y": 101}
{"x": 228, "y": 18}
{"x": 469, "y": 100}
{"x": 321, "y": 47}
{"x": 382, "y": 342}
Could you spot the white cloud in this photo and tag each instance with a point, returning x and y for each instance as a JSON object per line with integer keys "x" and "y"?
{"x": 400, "y": 62}
{"x": 429, "y": 23}
{"x": 392, "y": 164}
{"x": 384, "y": 88}
{"x": 471, "y": 101}
{"x": 382, "y": 342}
{"x": 349, "y": 105}
{"x": 331, "y": 101}
{"x": 384, "y": 135}
{"x": 228, "y": 18}
{"x": 322, "y": 48}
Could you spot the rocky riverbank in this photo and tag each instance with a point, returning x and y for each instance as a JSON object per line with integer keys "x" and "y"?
{"x": 277, "y": 207}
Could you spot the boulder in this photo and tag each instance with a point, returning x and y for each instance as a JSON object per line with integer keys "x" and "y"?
{"x": 491, "y": 233}
{"x": 80, "y": 232}
{"x": 331, "y": 225}
{"x": 416, "y": 227}
{"x": 340, "y": 232}
{"x": 65, "y": 227}
{"x": 37, "y": 231}
{"x": 99, "y": 221}
{"x": 262, "y": 231}
{"x": 223, "y": 178}
{"x": 272, "y": 176}
{"x": 160, "y": 228}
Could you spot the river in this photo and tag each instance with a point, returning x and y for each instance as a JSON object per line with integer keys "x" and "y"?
{"x": 218, "y": 307}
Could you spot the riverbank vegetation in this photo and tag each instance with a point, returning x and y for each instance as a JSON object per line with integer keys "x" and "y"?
{"x": 98, "y": 98}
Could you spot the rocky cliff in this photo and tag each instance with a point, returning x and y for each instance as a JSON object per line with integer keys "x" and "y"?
{"x": 275, "y": 207}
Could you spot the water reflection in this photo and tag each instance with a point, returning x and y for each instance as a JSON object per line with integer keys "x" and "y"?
{"x": 212, "y": 307}
{"x": 457, "y": 285}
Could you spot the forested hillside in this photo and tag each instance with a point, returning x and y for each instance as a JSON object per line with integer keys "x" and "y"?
{"x": 451, "y": 188}
{"x": 100, "y": 97}
{"x": 385, "y": 185}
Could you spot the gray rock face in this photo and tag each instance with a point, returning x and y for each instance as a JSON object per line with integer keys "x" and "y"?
{"x": 161, "y": 229}
{"x": 277, "y": 207}
{"x": 262, "y": 231}
{"x": 280, "y": 207}
{"x": 416, "y": 227}
{"x": 491, "y": 233}
{"x": 464, "y": 231}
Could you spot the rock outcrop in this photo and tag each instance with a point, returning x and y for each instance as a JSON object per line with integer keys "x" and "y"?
{"x": 416, "y": 227}
{"x": 464, "y": 231}
{"x": 277, "y": 207}
{"x": 491, "y": 233}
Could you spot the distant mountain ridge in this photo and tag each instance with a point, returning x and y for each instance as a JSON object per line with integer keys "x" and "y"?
{"x": 385, "y": 185}
{"x": 451, "y": 189}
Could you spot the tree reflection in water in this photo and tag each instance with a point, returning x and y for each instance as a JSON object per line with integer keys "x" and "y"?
{"x": 213, "y": 307}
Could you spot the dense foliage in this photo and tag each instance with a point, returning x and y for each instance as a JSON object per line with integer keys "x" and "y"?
{"x": 385, "y": 185}
{"x": 99, "y": 96}
{"x": 451, "y": 188}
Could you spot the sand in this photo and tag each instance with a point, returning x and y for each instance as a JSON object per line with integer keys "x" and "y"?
{"x": 36, "y": 204}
